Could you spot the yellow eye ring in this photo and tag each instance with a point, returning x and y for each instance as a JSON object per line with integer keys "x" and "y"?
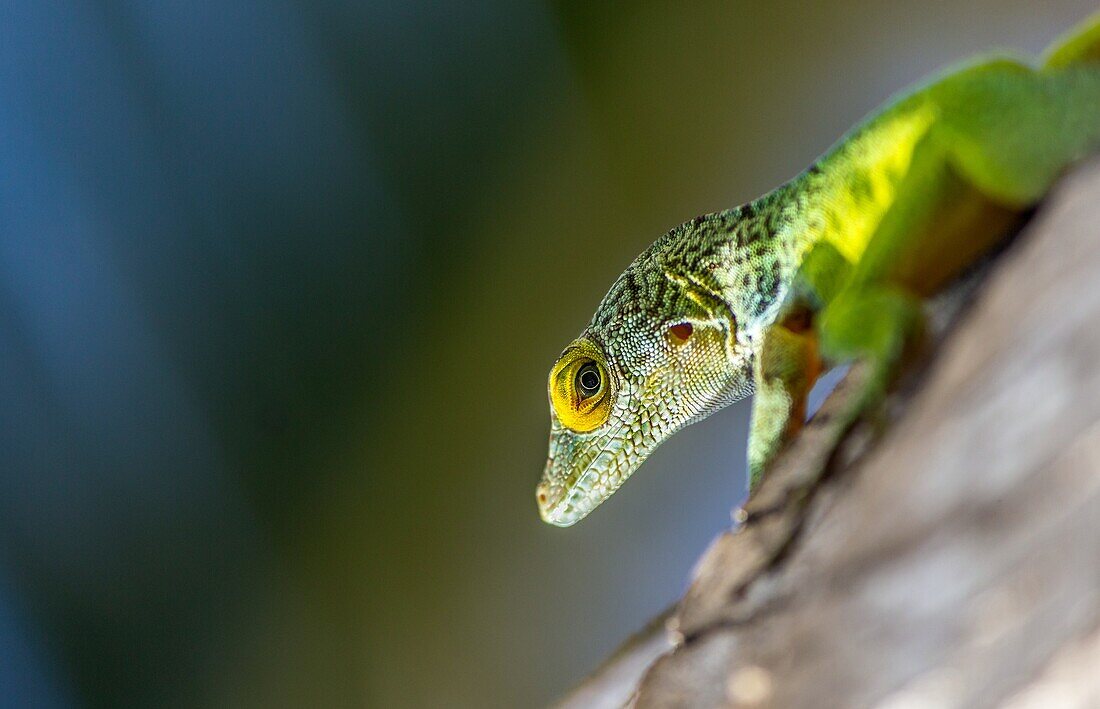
{"x": 580, "y": 388}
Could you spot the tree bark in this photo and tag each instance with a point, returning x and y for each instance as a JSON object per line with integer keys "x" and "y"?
{"x": 950, "y": 556}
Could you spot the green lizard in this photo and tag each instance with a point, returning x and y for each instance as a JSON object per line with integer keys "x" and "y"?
{"x": 831, "y": 267}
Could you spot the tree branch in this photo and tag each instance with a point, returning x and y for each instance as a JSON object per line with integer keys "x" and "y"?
{"x": 952, "y": 561}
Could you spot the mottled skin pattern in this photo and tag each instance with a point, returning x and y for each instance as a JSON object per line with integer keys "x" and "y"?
{"x": 831, "y": 267}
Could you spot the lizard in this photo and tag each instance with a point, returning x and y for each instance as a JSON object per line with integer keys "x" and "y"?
{"x": 831, "y": 267}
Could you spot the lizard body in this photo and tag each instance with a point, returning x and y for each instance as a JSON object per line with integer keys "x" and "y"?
{"x": 831, "y": 267}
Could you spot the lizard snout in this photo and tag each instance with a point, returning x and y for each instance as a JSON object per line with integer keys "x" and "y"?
{"x": 549, "y": 497}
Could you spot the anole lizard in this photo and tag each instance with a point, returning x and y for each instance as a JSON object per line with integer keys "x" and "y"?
{"x": 831, "y": 267}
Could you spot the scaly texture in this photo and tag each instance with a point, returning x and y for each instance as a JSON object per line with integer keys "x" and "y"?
{"x": 831, "y": 267}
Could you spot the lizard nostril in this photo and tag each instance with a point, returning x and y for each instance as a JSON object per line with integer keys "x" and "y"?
{"x": 543, "y": 495}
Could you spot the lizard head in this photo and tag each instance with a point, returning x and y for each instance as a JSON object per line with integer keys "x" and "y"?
{"x": 660, "y": 353}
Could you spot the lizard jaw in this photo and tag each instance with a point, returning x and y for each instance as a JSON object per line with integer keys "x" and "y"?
{"x": 565, "y": 497}
{"x": 563, "y": 507}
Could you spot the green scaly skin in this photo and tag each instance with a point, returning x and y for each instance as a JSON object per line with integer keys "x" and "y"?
{"x": 829, "y": 268}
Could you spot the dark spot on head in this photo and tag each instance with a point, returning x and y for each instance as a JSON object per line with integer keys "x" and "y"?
{"x": 746, "y": 235}
{"x": 773, "y": 290}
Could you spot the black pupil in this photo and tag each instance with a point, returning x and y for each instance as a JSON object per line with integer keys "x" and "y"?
{"x": 588, "y": 379}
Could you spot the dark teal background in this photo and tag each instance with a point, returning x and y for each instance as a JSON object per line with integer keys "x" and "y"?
{"x": 281, "y": 281}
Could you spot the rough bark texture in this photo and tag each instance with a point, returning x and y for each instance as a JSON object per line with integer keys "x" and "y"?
{"x": 953, "y": 561}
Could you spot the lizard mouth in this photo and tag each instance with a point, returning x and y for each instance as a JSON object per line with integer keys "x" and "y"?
{"x": 583, "y": 471}
{"x": 564, "y": 506}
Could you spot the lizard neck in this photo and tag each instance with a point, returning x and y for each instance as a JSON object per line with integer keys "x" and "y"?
{"x": 747, "y": 256}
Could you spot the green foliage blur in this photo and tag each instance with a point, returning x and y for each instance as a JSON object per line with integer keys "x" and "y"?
{"x": 279, "y": 290}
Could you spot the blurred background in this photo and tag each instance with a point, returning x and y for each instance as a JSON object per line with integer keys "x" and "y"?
{"x": 281, "y": 281}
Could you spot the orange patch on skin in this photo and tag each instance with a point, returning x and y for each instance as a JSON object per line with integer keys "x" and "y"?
{"x": 680, "y": 333}
{"x": 800, "y": 321}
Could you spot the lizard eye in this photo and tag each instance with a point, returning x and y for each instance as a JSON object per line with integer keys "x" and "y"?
{"x": 588, "y": 380}
{"x": 580, "y": 390}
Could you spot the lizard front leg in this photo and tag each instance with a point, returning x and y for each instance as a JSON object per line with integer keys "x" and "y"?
{"x": 876, "y": 324}
{"x": 873, "y": 325}
{"x": 785, "y": 369}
